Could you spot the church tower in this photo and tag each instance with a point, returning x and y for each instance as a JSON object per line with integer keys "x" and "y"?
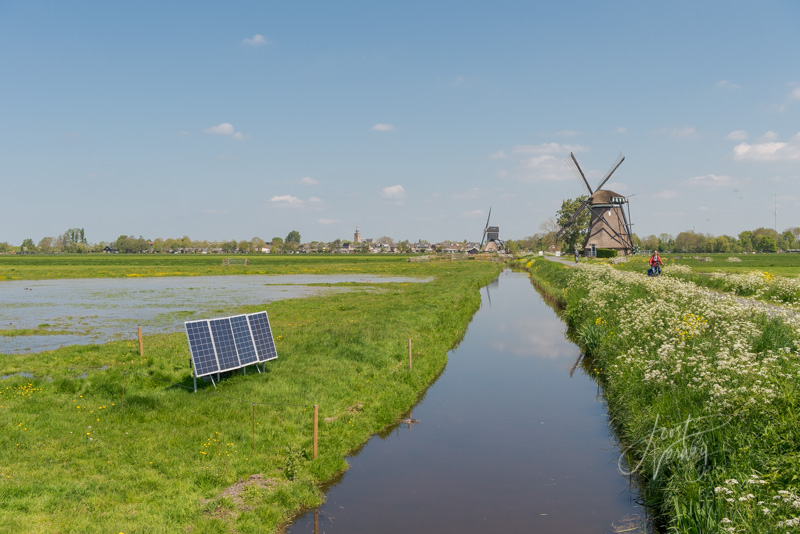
{"x": 357, "y": 235}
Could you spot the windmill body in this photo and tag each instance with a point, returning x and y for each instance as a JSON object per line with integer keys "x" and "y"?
{"x": 609, "y": 226}
{"x": 491, "y": 241}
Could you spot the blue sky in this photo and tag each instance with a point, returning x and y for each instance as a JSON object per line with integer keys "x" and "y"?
{"x": 233, "y": 120}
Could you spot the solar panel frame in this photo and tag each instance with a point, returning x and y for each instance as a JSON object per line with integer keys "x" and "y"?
{"x": 262, "y": 336}
{"x": 201, "y": 347}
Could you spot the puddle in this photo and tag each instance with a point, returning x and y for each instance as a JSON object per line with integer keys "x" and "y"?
{"x": 26, "y": 375}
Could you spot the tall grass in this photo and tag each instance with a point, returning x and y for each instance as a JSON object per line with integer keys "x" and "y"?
{"x": 72, "y": 461}
{"x": 704, "y": 392}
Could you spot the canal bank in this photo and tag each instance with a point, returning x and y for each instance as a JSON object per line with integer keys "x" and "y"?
{"x": 512, "y": 436}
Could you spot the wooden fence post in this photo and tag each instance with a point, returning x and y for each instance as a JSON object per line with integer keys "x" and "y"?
{"x": 141, "y": 344}
{"x": 123, "y": 392}
{"x": 316, "y": 430}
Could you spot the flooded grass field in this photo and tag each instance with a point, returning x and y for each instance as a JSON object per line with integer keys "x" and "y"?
{"x": 39, "y": 315}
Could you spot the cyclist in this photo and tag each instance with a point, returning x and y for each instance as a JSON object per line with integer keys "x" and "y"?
{"x": 655, "y": 264}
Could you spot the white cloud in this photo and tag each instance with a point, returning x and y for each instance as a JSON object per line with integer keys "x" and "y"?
{"x": 796, "y": 93}
{"x": 472, "y": 214}
{"x": 225, "y": 129}
{"x": 537, "y": 163}
{"x": 394, "y": 191}
{"x": 183, "y": 132}
{"x": 327, "y": 221}
{"x": 727, "y": 84}
{"x": 287, "y": 201}
{"x": 290, "y": 201}
{"x": 768, "y": 136}
{"x": 621, "y": 130}
{"x": 737, "y": 135}
{"x": 769, "y": 151}
{"x": 256, "y": 40}
{"x": 666, "y": 194}
{"x": 543, "y": 168}
{"x": 500, "y": 154}
{"x": 307, "y": 180}
{"x": 547, "y": 148}
{"x": 687, "y": 132}
{"x": 711, "y": 180}
{"x": 383, "y": 127}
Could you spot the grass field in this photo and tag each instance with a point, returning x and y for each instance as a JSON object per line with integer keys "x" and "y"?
{"x": 237, "y": 458}
{"x": 38, "y": 267}
{"x": 702, "y": 389}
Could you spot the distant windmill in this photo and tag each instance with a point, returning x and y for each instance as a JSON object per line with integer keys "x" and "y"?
{"x": 608, "y": 225}
{"x": 491, "y": 236}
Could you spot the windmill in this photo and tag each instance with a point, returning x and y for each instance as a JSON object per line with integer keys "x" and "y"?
{"x": 608, "y": 224}
{"x": 491, "y": 236}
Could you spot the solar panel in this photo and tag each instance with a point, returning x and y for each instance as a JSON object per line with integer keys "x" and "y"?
{"x": 262, "y": 336}
{"x": 228, "y": 343}
{"x": 244, "y": 340}
{"x": 202, "y": 348}
{"x": 222, "y": 333}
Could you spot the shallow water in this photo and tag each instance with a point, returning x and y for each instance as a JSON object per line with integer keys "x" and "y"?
{"x": 513, "y": 437}
{"x": 98, "y": 310}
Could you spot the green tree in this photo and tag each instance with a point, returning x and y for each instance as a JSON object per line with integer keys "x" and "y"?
{"x": 765, "y": 243}
{"x": 46, "y": 245}
{"x": 293, "y": 237}
{"x": 650, "y": 243}
{"x": 74, "y": 240}
{"x": 5, "y": 248}
{"x": 256, "y": 244}
{"x": 575, "y": 235}
{"x": 28, "y": 246}
{"x": 787, "y": 240}
{"x": 746, "y": 241}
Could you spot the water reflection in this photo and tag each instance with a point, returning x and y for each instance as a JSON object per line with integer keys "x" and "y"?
{"x": 98, "y": 310}
{"x": 512, "y": 437}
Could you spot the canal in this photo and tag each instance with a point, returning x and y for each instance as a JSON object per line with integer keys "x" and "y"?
{"x": 512, "y": 437}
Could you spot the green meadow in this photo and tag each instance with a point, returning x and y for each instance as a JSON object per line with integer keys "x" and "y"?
{"x": 39, "y": 267}
{"x": 102, "y": 439}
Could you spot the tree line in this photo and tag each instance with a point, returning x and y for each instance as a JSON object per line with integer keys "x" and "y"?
{"x": 758, "y": 240}
{"x": 74, "y": 241}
